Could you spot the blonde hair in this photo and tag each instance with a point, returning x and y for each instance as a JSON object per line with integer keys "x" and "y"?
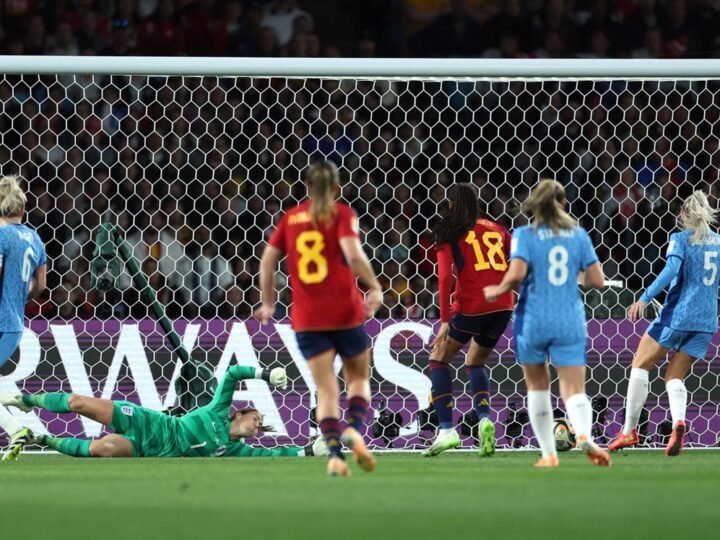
{"x": 697, "y": 215}
{"x": 12, "y": 197}
{"x": 322, "y": 179}
{"x": 545, "y": 205}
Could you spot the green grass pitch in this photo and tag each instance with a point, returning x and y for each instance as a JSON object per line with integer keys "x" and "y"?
{"x": 454, "y": 496}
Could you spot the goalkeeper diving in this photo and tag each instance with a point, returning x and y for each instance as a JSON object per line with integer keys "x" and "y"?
{"x": 208, "y": 431}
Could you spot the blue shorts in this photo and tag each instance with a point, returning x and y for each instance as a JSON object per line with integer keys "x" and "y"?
{"x": 568, "y": 354}
{"x": 9, "y": 342}
{"x": 347, "y": 343}
{"x": 695, "y": 344}
{"x": 484, "y": 329}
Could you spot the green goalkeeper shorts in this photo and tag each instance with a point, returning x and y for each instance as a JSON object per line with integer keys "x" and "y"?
{"x": 151, "y": 433}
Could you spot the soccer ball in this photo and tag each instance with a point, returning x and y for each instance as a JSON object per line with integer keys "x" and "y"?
{"x": 564, "y": 435}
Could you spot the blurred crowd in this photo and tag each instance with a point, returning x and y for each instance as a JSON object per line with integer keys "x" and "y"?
{"x": 367, "y": 28}
{"x": 196, "y": 170}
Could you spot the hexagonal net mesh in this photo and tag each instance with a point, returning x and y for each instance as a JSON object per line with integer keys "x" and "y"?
{"x": 194, "y": 172}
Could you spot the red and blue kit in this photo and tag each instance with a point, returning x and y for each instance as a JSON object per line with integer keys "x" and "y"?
{"x": 325, "y": 295}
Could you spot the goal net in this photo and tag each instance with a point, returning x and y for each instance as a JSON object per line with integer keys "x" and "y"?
{"x": 194, "y": 170}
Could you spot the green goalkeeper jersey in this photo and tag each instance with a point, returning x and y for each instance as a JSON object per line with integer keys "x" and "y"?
{"x": 204, "y": 432}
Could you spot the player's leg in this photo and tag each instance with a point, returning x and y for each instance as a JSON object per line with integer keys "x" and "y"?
{"x": 100, "y": 410}
{"x": 694, "y": 345}
{"x": 477, "y": 373}
{"x": 675, "y": 373}
{"x": 653, "y": 346}
{"x": 112, "y": 445}
{"x": 19, "y": 436}
{"x": 569, "y": 360}
{"x": 487, "y": 331}
{"x": 356, "y": 369}
{"x": 537, "y": 380}
{"x": 442, "y": 391}
{"x": 328, "y": 407}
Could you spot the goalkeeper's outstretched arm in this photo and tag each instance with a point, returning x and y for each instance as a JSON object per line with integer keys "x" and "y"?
{"x": 222, "y": 400}
{"x": 315, "y": 448}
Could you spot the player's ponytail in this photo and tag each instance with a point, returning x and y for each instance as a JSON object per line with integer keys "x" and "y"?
{"x": 12, "y": 197}
{"x": 322, "y": 182}
{"x": 697, "y": 215}
{"x": 545, "y": 205}
{"x": 460, "y": 214}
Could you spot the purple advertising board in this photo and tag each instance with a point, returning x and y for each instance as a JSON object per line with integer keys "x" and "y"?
{"x": 131, "y": 360}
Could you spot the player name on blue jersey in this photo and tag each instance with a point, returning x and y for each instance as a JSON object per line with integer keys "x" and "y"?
{"x": 550, "y": 306}
{"x": 691, "y": 303}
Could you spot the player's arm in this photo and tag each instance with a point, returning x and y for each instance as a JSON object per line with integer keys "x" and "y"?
{"x": 445, "y": 281}
{"x": 516, "y": 272}
{"x": 360, "y": 266}
{"x": 675, "y": 255}
{"x": 271, "y": 256}
{"x": 38, "y": 283}
{"x": 670, "y": 272}
{"x": 223, "y": 397}
{"x": 268, "y": 295}
{"x": 592, "y": 276}
{"x": 316, "y": 448}
{"x": 511, "y": 281}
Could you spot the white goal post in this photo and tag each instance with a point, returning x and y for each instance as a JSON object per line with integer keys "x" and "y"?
{"x": 193, "y": 159}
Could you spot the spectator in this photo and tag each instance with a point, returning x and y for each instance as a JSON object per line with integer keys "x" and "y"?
{"x": 63, "y": 41}
{"x": 161, "y": 34}
{"x": 120, "y": 39}
{"x": 205, "y": 33}
{"x": 279, "y": 16}
{"x": 452, "y": 34}
{"x": 554, "y": 20}
{"x": 35, "y": 38}
{"x": 266, "y": 43}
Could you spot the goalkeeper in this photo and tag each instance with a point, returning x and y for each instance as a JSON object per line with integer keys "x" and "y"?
{"x": 208, "y": 431}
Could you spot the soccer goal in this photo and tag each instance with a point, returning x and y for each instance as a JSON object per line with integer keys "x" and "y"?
{"x": 192, "y": 159}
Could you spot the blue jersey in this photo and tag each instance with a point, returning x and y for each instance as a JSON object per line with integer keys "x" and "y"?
{"x": 691, "y": 303}
{"x": 550, "y": 306}
{"x": 21, "y": 253}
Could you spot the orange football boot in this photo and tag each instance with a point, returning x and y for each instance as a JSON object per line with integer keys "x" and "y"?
{"x": 547, "y": 462}
{"x": 354, "y": 441}
{"x": 597, "y": 455}
{"x": 677, "y": 439}
{"x": 338, "y": 467}
{"x": 623, "y": 441}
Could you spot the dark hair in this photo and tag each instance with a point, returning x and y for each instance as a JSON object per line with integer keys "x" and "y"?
{"x": 322, "y": 179}
{"x": 460, "y": 214}
{"x": 264, "y": 428}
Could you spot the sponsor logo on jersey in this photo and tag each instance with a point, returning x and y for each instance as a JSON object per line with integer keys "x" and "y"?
{"x": 127, "y": 410}
{"x": 220, "y": 450}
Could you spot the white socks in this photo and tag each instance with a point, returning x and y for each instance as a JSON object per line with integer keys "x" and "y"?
{"x": 541, "y": 420}
{"x": 636, "y": 397}
{"x": 677, "y": 394}
{"x": 447, "y": 431}
{"x": 579, "y": 411}
{"x": 8, "y": 422}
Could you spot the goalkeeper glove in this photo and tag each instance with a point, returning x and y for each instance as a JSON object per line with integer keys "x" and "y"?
{"x": 277, "y": 377}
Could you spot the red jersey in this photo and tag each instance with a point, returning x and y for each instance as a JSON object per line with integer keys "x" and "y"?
{"x": 478, "y": 259}
{"x": 325, "y": 295}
